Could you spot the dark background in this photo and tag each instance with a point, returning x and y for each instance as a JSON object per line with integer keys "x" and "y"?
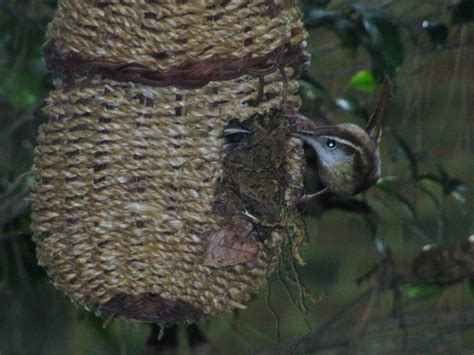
{"x": 425, "y": 196}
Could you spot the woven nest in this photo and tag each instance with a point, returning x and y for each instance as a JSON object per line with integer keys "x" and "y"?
{"x": 142, "y": 207}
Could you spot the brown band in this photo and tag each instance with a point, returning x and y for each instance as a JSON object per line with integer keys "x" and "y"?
{"x": 189, "y": 75}
{"x": 148, "y": 307}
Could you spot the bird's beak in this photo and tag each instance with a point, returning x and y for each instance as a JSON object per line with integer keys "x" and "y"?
{"x": 234, "y": 130}
{"x": 305, "y": 137}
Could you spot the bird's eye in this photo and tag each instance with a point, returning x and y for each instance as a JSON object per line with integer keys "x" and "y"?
{"x": 330, "y": 143}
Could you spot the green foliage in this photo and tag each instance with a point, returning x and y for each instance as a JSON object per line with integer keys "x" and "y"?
{"x": 462, "y": 11}
{"x": 22, "y": 25}
{"x": 364, "y": 80}
{"x": 423, "y": 290}
{"x": 310, "y": 5}
{"x": 365, "y": 26}
{"x": 419, "y": 189}
{"x": 396, "y": 195}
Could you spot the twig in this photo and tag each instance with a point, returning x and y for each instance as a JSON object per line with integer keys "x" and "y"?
{"x": 26, "y": 117}
{"x": 12, "y": 209}
{"x": 336, "y": 337}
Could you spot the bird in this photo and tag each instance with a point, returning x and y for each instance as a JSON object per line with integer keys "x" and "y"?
{"x": 347, "y": 156}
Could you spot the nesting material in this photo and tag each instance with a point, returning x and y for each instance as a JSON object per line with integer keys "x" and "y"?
{"x": 142, "y": 208}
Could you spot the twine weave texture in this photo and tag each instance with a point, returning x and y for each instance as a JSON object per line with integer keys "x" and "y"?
{"x": 127, "y": 173}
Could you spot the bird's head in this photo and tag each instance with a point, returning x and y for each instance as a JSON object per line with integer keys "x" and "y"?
{"x": 348, "y": 159}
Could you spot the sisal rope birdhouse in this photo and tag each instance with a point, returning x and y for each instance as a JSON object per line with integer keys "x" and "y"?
{"x": 146, "y": 204}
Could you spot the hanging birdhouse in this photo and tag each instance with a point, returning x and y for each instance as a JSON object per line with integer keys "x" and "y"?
{"x": 165, "y": 176}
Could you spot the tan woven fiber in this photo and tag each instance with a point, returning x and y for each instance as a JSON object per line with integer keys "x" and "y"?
{"x": 161, "y": 34}
{"x": 128, "y": 175}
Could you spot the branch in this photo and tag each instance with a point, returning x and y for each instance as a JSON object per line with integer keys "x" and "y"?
{"x": 335, "y": 337}
{"x": 10, "y": 209}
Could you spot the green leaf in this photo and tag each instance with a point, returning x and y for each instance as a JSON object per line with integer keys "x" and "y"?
{"x": 380, "y": 36}
{"x": 423, "y": 291}
{"x": 457, "y": 185}
{"x": 347, "y": 32}
{"x": 390, "y": 190}
{"x": 364, "y": 80}
{"x": 431, "y": 177}
{"x": 408, "y": 152}
{"x": 429, "y": 194}
{"x": 371, "y": 223}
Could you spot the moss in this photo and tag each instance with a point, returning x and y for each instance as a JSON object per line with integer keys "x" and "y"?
{"x": 255, "y": 178}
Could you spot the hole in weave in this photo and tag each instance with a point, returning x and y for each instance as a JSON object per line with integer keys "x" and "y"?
{"x": 104, "y": 120}
{"x": 99, "y": 180}
{"x": 179, "y": 97}
{"x": 139, "y": 178}
{"x": 140, "y": 124}
{"x": 178, "y": 111}
{"x": 103, "y": 3}
{"x": 248, "y": 42}
{"x": 74, "y": 199}
{"x": 109, "y": 106}
{"x": 138, "y": 157}
{"x": 224, "y": 3}
{"x": 213, "y": 90}
{"x": 57, "y": 119}
{"x": 178, "y": 53}
{"x": 104, "y": 142}
{"x": 181, "y": 41}
{"x": 295, "y": 31}
{"x": 42, "y": 235}
{"x": 77, "y": 115}
{"x": 80, "y": 127}
{"x": 246, "y": 29}
{"x": 99, "y": 167}
{"x": 140, "y": 224}
{"x": 90, "y": 27}
{"x": 208, "y": 48}
{"x": 70, "y": 179}
{"x": 214, "y": 18}
{"x": 99, "y": 154}
{"x": 59, "y": 141}
{"x": 71, "y": 221}
{"x": 214, "y": 104}
{"x": 160, "y": 55}
{"x": 151, "y": 15}
{"x": 136, "y": 264}
{"x": 145, "y": 100}
{"x": 103, "y": 243}
{"x": 270, "y": 95}
{"x": 73, "y": 153}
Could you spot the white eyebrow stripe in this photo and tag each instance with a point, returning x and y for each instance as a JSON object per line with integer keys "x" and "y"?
{"x": 358, "y": 148}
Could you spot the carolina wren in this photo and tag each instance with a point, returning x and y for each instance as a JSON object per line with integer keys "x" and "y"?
{"x": 347, "y": 156}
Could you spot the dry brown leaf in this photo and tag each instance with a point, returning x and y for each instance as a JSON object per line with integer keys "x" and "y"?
{"x": 229, "y": 246}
